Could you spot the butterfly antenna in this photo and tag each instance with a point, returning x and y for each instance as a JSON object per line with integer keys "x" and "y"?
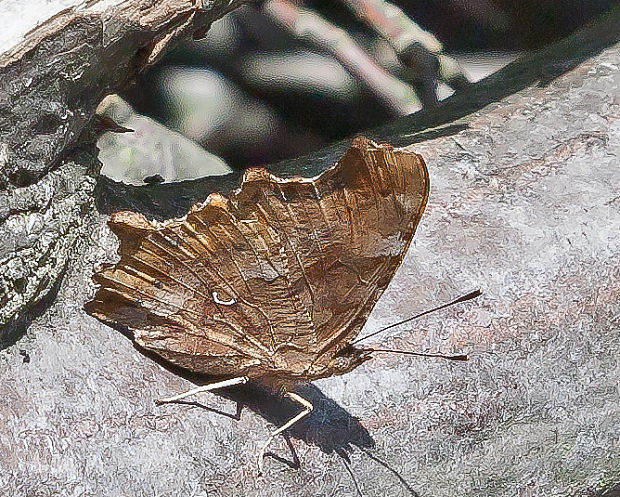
{"x": 346, "y": 461}
{"x": 464, "y": 298}
{"x": 375, "y": 458}
{"x": 459, "y": 357}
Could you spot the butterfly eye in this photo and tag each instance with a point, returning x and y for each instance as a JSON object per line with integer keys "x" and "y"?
{"x": 217, "y": 300}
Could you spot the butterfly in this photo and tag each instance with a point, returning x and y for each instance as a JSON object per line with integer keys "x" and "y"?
{"x": 274, "y": 283}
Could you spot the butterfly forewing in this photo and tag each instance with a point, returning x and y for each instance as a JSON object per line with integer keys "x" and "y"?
{"x": 282, "y": 267}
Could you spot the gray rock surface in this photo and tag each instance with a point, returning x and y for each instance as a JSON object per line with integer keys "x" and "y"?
{"x": 525, "y": 203}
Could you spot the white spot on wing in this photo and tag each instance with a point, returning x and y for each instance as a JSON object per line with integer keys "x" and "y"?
{"x": 223, "y": 302}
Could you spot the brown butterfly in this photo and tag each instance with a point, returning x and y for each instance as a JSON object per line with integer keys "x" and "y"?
{"x": 273, "y": 284}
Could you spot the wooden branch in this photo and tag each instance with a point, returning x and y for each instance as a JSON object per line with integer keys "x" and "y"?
{"x": 418, "y": 50}
{"x": 308, "y": 26}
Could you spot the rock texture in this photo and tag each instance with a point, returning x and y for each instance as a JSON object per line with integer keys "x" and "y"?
{"x": 525, "y": 203}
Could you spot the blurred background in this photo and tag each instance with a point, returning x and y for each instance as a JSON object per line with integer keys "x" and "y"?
{"x": 279, "y": 78}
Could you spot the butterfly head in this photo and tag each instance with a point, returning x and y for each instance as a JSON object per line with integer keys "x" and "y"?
{"x": 348, "y": 359}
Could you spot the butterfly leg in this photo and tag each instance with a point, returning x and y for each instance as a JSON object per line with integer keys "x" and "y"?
{"x": 307, "y": 410}
{"x": 294, "y": 462}
{"x": 205, "y": 388}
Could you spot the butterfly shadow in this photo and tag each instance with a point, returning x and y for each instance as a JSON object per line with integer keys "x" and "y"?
{"x": 329, "y": 426}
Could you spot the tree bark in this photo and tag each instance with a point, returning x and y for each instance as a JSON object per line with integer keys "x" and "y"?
{"x": 52, "y": 76}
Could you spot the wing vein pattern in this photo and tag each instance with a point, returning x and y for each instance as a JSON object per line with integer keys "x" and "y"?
{"x": 279, "y": 276}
